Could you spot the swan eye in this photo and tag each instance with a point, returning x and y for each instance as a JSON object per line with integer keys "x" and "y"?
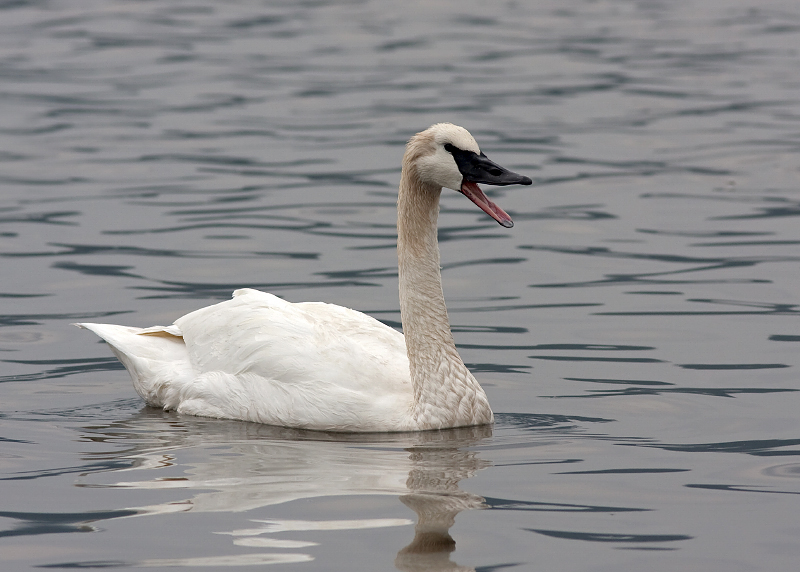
{"x": 473, "y": 159}
{"x": 462, "y": 155}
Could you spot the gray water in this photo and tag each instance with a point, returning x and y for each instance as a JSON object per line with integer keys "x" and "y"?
{"x": 636, "y": 331}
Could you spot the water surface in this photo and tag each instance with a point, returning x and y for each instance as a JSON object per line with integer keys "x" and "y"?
{"x": 636, "y": 331}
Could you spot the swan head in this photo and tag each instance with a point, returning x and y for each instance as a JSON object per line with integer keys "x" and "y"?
{"x": 446, "y": 155}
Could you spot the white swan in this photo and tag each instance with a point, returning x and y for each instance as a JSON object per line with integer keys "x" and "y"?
{"x": 324, "y": 367}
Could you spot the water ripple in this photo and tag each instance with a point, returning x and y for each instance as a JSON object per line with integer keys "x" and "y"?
{"x": 155, "y": 152}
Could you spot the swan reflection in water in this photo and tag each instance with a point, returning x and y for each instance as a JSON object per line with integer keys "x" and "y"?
{"x": 247, "y": 466}
{"x": 435, "y": 497}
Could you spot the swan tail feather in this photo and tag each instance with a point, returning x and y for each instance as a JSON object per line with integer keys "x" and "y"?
{"x": 156, "y": 359}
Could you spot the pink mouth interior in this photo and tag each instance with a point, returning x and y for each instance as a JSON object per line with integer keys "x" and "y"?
{"x": 474, "y": 193}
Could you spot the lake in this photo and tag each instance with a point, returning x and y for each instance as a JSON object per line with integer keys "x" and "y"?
{"x": 637, "y": 331}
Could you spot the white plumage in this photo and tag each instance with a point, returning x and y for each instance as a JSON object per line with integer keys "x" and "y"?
{"x": 319, "y": 366}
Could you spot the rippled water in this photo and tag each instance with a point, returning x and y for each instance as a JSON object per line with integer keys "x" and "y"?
{"x": 636, "y": 331}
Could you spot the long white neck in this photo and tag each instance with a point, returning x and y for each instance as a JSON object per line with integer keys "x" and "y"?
{"x": 445, "y": 392}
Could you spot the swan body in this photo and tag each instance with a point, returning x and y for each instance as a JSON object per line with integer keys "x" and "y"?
{"x": 320, "y": 366}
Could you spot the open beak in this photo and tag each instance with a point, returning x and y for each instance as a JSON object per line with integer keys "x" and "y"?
{"x": 480, "y": 169}
{"x": 474, "y": 193}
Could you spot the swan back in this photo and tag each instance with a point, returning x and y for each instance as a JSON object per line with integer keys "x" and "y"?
{"x": 310, "y": 365}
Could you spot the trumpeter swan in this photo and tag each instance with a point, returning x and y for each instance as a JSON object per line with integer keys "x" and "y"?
{"x": 319, "y": 366}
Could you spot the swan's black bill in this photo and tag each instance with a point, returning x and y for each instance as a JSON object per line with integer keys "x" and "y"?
{"x": 480, "y": 169}
{"x": 476, "y": 169}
